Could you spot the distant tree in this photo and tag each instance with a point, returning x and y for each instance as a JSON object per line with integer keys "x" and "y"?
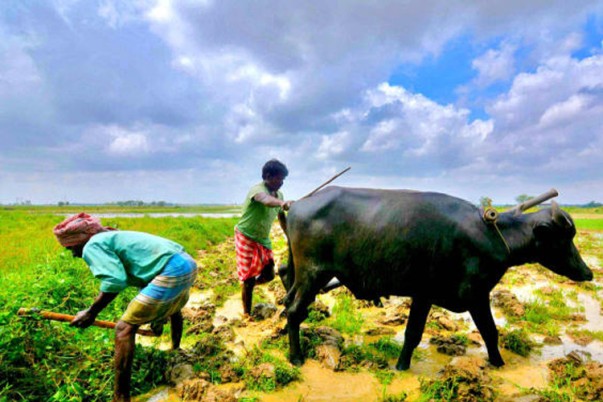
{"x": 485, "y": 201}
{"x": 593, "y": 204}
{"x": 522, "y": 198}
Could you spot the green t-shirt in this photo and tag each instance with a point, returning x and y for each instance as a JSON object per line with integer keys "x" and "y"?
{"x": 257, "y": 218}
{"x": 123, "y": 258}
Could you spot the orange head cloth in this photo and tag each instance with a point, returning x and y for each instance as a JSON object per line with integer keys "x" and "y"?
{"x": 78, "y": 229}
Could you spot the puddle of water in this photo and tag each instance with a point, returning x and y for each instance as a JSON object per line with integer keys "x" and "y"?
{"x": 550, "y": 352}
{"x": 320, "y": 384}
{"x": 513, "y": 378}
{"x": 592, "y": 311}
{"x": 199, "y": 297}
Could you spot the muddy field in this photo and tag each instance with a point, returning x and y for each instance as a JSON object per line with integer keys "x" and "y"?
{"x": 551, "y": 340}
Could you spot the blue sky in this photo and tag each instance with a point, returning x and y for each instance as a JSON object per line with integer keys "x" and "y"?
{"x": 184, "y": 101}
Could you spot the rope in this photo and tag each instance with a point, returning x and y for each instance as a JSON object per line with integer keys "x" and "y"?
{"x": 490, "y": 215}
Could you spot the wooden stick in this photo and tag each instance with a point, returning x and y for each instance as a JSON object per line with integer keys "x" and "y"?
{"x": 325, "y": 183}
{"x": 49, "y": 315}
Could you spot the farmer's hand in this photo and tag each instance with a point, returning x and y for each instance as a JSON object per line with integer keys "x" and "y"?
{"x": 83, "y": 319}
{"x": 286, "y": 205}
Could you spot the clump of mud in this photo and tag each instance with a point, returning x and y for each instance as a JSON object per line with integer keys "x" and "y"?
{"x": 581, "y": 339}
{"x": 207, "y": 358}
{"x": 442, "y": 320}
{"x": 396, "y": 312}
{"x": 263, "y": 311}
{"x": 200, "y": 318}
{"x": 584, "y": 377}
{"x": 322, "y": 343}
{"x": 203, "y": 390}
{"x": 452, "y": 345}
{"x": 464, "y": 379}
{"x": 318, "y": 311}
{"x": 508, "y": 303}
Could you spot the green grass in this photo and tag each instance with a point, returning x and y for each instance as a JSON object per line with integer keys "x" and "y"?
{"x": 388, "y": 347}
{"x": 598, "y": 335}
{"x": 44, "y": 360}
{"x": 517, "y": 341}
{"x": 589, "y": 224}
{"x": 544, "y": 313}
{"x": 346, "y": 318}
{"x": 266, "y": 381}
{"x": 122, "y": 209}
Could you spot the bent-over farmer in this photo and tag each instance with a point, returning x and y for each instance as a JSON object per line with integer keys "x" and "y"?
{"x": 159, "y": 267}
{"x": 264, "y": 201}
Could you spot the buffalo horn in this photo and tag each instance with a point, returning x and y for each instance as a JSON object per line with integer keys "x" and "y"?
{"x": 517, "y": 210}
{"x": 558, "y": 216}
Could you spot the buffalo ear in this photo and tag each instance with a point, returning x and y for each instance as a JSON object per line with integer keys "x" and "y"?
{"x": 543, "y": 231}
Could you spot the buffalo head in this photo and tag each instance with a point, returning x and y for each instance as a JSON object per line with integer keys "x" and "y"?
{"x": 554, "y": 234}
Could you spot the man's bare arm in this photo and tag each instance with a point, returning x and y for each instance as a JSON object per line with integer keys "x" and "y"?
{"x": 271, "y": 201}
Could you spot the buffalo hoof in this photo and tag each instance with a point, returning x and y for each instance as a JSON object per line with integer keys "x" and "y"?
{"x": 297, "y": 361}
{"x": 402, "y": 366}
{"x": 497, "y": 362}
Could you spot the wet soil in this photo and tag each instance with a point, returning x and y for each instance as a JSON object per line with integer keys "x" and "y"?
{"x": 451, "y": 355}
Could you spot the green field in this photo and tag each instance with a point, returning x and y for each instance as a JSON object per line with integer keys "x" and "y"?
{"x": 42, "y": 360}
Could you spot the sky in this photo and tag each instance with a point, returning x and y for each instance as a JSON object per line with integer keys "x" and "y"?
{"x": 184, "y": 101}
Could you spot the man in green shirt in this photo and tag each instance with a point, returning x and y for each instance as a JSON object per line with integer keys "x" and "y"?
{"x": 264, "y": 201}
{"x": 159, "y": 267}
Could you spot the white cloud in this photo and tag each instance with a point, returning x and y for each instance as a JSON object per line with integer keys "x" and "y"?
{"x": 385, "y": 135}
{"x": 118, "y": 13}
{"x": 129, "y": 144}
{"x": 419, "y": 127}
{"x": 495, "y": 65}
{"x": 559, "y": 84}
{"x": 219, "y": 79}
{"x": 117, "y": 141}
{"x": 562, "y": 112}
{"x": 332, "y": 145}
{"x": 161, "y": 11}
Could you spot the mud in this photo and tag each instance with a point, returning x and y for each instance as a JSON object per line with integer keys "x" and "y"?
{"x": 451, "y": 356}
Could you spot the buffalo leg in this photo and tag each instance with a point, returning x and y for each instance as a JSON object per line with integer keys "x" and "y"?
{"x": 297, "y": 312}
{"x": 482, "y": 317}
{"x": 419, "y": 310}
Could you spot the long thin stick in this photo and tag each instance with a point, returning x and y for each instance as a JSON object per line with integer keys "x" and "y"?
{"x": 326, "y": 182}
{"x": 49, "y": 315}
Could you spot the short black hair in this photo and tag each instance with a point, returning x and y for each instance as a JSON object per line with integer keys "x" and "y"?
{"x": 273, "y": 168}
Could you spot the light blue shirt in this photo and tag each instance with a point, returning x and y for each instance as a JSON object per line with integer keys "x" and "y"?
{"x": 125, "y": 258}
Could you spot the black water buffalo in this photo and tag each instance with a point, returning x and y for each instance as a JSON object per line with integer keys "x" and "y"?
{"x": 433, "y": 247}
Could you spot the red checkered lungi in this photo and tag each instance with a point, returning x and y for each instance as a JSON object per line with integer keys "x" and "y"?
{"x": 252, "y": 257}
